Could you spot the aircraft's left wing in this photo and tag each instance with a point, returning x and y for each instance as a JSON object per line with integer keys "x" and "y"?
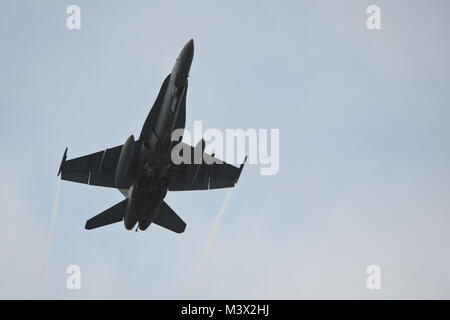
{"x": 94, "y": 169}
{"x": 204, "y": 176}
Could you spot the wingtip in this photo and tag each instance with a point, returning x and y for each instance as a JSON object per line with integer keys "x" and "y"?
{"x": 243, "y": 163}
{"x": 241, "y": 168}
{"x": 62, "y": 161}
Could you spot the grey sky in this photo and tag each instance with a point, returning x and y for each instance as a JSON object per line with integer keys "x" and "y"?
{"x": 364, "y": 146}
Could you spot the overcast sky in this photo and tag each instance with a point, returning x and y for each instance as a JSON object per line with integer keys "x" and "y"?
{"x": 364, "y": 147}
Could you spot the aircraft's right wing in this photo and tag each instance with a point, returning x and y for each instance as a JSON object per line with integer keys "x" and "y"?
{"x": 205, "y": 176}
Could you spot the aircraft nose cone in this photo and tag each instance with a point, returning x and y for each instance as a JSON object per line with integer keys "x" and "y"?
{"x": 191, "y": 44}
{"x": 181, "y": 69}
{"x": 188, "y": 50}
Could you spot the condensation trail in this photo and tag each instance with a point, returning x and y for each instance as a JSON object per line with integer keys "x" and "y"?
{"x": 209, "y": 242}
{"x": 49, "y": 237}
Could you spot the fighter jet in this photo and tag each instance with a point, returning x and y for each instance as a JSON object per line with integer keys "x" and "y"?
{"x": 143, "y": 170}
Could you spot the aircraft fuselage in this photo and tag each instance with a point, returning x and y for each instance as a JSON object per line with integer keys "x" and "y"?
{"x": 152, "y": 168}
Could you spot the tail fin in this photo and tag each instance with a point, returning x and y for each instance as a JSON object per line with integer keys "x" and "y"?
{"x": 109, "y": 216}
{"x": 167, "y": 218}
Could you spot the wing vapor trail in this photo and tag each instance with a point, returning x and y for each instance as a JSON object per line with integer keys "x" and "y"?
{"x": 49, "y": 237}
{"x": 209, "y": 242}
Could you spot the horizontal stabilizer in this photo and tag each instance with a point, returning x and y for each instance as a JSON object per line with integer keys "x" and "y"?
{"x": 167, "y": 218}
{"x": 109, "y": 216}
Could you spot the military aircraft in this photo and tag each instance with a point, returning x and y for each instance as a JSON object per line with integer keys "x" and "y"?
{"x": 143, "y": 170}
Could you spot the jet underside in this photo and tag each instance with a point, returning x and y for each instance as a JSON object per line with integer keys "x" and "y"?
{"x": 142, "y": 169}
